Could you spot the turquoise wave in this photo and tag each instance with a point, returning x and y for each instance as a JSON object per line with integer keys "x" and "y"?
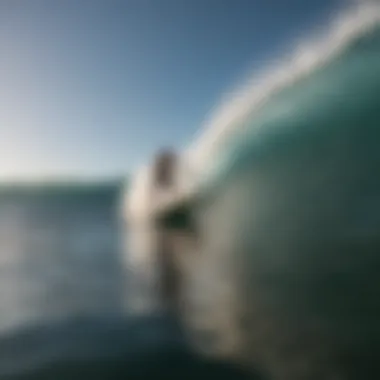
{"x": 338, "y": 99}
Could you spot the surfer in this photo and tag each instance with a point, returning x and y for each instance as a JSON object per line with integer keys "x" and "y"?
{"x": 164, "y": 181}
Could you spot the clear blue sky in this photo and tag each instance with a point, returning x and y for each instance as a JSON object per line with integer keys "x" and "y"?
{"x": 90, "y": 87}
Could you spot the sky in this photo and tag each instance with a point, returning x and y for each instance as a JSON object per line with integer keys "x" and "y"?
{"x": 92, "y": 88}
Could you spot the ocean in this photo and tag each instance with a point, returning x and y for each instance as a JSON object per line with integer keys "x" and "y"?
{"x": 288, "y": 214}
{"x": 63, "y": 297}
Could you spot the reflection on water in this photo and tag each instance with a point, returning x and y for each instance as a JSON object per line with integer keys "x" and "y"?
{"x": 58, "y": 259}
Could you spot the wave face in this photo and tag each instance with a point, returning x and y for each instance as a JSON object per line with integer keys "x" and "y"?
{"x": 287, "y": 277}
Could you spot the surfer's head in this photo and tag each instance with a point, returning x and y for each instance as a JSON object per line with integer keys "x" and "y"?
{"x": 164, "y": 168}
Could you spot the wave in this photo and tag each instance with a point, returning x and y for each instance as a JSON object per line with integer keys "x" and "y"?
{"x": 293, "y": 223}
{"x": 286, "y": 242}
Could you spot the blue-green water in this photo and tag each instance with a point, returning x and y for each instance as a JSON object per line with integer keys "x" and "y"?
{"x": 62, "y": 294}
